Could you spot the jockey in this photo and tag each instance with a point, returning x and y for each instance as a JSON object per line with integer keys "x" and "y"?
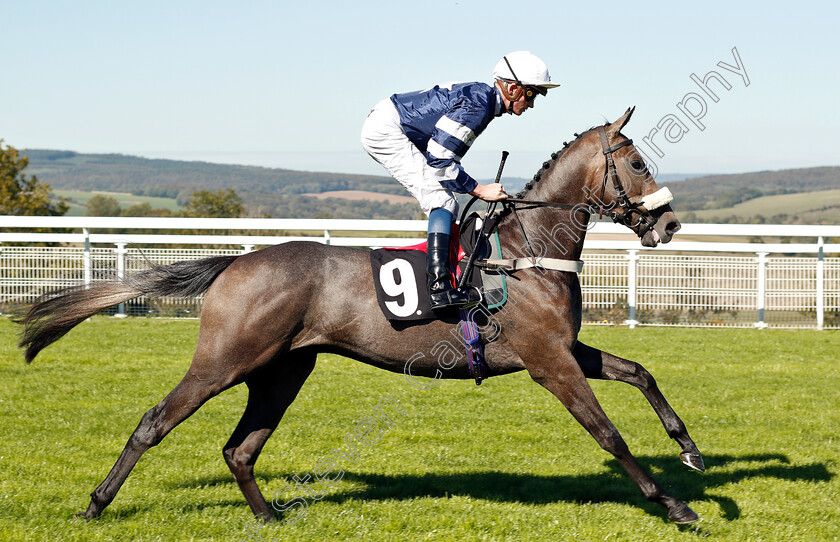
{"x": 420, "y": 138}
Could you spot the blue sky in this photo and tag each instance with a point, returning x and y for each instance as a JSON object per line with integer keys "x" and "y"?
{"x": 288, "y": 84}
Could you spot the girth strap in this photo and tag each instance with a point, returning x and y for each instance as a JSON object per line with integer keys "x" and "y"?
{"x": 515, "y": 264}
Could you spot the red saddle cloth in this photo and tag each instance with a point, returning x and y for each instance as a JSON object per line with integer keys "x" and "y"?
{"x": 456, "y": 252}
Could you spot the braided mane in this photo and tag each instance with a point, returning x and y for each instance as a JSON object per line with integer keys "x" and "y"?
{"x": 547, "y": 165}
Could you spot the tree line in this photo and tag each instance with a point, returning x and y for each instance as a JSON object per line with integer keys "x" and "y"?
{"x": 224, "y": 203}
{"x": 26, "y": 195}
{"x": 21, "y": 194}
{"x": 214, "y": 190}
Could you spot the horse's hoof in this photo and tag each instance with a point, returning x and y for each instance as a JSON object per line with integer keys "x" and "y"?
{"x": 682, "y": 514}
{"x": 87, "y": 514}
{"x": 693, "y": 460}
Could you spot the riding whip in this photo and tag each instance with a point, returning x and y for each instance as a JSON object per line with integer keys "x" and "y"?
{"x": 462, "y": 281}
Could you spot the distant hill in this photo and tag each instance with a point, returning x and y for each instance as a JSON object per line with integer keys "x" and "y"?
{"x": 723, "y": 198}
{"x": 264, "y": 191}
{"x": 155, "y": 177}
{"x": 675, "y": 177}
{"x": 821, "y": 207}
{"x": 280, "y": 192}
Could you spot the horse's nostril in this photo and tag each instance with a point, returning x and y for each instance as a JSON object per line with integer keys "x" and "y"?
{"x": 673, "y": 227}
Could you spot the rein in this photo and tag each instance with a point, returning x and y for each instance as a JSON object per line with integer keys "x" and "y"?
{"x": 625, "y": 217}
{"x": 645, "y": 220}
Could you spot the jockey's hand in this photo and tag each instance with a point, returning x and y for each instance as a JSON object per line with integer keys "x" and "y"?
{"x": 490, "y": 192}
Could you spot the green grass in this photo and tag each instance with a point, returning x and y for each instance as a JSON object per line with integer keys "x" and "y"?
{"x": 78, "y": 199}
{"x": 503, "y": 461}
{"x": 768, "y": 206}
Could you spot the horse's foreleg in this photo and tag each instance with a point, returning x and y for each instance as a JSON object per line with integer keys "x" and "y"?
{"x": 605, "y": 366}
{"x": 177, "y": 406}
{"x": 271, "y": 391}
{"x": 566, "y": 381}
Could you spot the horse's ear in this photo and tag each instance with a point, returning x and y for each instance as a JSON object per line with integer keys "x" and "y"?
{"x": 616, "y": 126}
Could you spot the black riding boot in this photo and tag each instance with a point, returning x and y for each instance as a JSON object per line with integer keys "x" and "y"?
{"x": 443, "y": 293}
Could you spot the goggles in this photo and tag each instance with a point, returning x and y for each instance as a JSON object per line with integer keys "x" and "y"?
{"x": 530, "y": 91}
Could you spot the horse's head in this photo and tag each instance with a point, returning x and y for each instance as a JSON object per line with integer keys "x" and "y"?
{"x": 622, "y": 187}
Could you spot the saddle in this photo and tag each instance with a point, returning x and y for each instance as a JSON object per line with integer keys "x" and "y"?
{"x": 399, "y": 274}
{"x": 402, "y": 290}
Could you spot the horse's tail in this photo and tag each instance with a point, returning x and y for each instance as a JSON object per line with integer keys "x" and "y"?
{"x": 55, "y": 313}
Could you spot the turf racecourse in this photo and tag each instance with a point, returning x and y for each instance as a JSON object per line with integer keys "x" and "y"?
{"x": 503, "y": 461}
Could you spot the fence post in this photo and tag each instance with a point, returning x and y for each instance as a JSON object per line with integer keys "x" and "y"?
{"x": 820, "y": 283}
{"x": 87, "y": 260}
{"x": 762, "y": 288}
{"x": 326, "y": 237}
{"x": 120, "y": 252}
{"x": 247, "y": 248}
{"x": 632, "y": 258}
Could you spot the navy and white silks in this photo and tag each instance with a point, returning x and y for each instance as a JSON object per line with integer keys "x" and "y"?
{"x": 421, "y": 137}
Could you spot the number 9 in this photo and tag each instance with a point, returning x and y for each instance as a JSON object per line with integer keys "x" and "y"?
{"x": 406, "y": 288}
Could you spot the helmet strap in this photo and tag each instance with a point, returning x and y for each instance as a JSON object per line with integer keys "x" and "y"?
{"x": 519, "y": 84}
{"x": 508, "y": 96}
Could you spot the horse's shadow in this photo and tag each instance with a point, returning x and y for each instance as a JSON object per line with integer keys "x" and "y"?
{"x": 611, "y": 486}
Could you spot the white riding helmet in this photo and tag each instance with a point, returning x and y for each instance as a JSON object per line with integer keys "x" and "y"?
{"x": 527, "y": 67}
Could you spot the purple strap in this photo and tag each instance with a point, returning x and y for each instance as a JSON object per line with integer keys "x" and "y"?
{"x": 475, "y": 350}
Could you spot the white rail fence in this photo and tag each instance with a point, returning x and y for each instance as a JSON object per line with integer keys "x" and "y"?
{"x": 695, "y": 280}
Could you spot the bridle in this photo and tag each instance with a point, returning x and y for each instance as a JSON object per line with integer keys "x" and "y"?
{"x": 625, "y": 217}
{"x": 645, "y": 223}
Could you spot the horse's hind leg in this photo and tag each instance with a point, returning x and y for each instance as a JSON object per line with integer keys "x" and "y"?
{"x": 270, "y": 392}
{"x": 602, "y": 365}
{"x": 193, "y": 391}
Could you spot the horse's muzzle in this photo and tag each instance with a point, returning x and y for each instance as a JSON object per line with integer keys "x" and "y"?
{"x": 663, "y": 229}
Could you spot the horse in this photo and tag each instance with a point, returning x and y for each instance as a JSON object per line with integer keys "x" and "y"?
{"x": 268, "y": 313}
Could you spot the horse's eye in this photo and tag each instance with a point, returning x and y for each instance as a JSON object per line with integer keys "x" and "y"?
{"x": 638, "y": 165}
